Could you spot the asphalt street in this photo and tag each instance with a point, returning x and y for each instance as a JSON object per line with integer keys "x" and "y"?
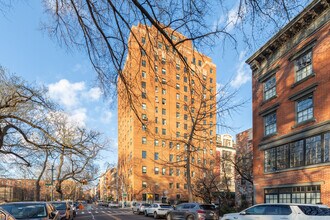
{"x": 94, "y": 212}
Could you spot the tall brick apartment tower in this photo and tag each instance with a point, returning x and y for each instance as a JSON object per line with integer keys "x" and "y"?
{"x": 162, "y": 100}
{"x": 291, "y": 111}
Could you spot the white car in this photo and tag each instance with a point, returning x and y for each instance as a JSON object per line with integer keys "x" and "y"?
{"x": 281, "y": 211}
{"x": 157, "y": 210}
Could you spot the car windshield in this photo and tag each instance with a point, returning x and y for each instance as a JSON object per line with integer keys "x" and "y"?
{"x": 60, "y": 206}
{"x": 165, "y": 206}
{"x": 25, "y": 210}
{"x": 207, "y": 207}
{"x": 146, "y": 205}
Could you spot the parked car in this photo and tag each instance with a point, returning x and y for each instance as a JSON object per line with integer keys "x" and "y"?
{"x": 193, "y": 211}
{"x": 64, "y": 209}
{"x": 140, "y": 207}
{"x": 157, "y": 210}
{"x": 4, "y": 215}
{"x": 286, "y": 211}
{"x": 114, "y": 205}
{"x": 31, "y": 210}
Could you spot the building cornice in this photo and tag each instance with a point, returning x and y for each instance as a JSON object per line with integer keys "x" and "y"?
{"x": 303, "y": 19}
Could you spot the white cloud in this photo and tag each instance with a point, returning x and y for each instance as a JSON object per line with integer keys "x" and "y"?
{"x": 231, "y": 19}
{"x": 66, "y": 93}
{"x": 107, "y": 116}
{"x": 94, "y": 93}
{"x": 78, "y": 117}
{"x": 242, "y": 72}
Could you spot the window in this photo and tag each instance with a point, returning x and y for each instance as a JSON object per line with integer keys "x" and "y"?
{"x": 144, "y": 117}
{"x": 177, "y": 86}
{"x": 143, "y": 40}
{"x": 303, "y": 66}
{"x": 156, "y": 142}
{"x": 144, "y": 140}
{"x": 144, "y": 184}
{"x": 156, "y": 69}
{"x": 211, "y": 70}
{"x": 270, "y": 88}
{"x": 163, "y": 81}
{"x": 143, "y": 52}
{"x": 144, "y": 63}
{"x": 177, "y": 134}
{"x": 296, "y": 194}
{"x": 178, "y": 66}
{"x": 313, "y": 150}
{"x": 270, "y": 160}
{"x": 185, "y": 98}
{"x": 163, "y": 101}
{"x": 144, "y": 169}
{"x": 199, "y": 63}
{"x": 144, "y": 74}
{"x": 178, "y": 146}
{"x": 156, "y": 170}
{"x": 282, "y": 157}
{"x": 178, "y": 96}
{"x": 178, "y": 185}
{"x": 163, "y": 131}
{"x": 144, "y": 95}
{"x": 163, "y": 60}
{"x": 144, "y": 106}
{"x": 171, "y": 144}
{"x": 193, "y": 60}
{"x": 297, "y": 154}
{"x": 171, "y": 171}
{"x": 211, "y": 80}
{"x": 144, "y": 154}
{"x": 178, "y": 172}
{"x": 177, "y": 114}
{"x": 163, "y": 111}
{"x": 156, "y": 109}
{"x": 178, "y": 105}
{"x": 163, "y": 121}
{"x": 163, "y": 171}
{"x": 177, "y": 76}
{"x": 177, "y": 124}
{"x": 144, "y": 127}
{"x": 185, "y": 88}
{"x": 163, "y": 71}
{"x": 305, "y": 109}
{"x": 156, "y": 156}
{"x": 185, "y": 79}
{"x": 171, "y": 158}
{"x": 170, "y": 185}
{"x": 160, "y": 45}
{"x": 270, "y": 124}
{"x": 164, "y": 91}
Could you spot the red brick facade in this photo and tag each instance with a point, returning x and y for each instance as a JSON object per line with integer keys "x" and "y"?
{"x": 291, "y": 120}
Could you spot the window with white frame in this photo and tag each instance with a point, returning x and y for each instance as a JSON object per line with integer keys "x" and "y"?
{"x": 270, "y": 88}
{"x": 303, "y": 66}
{"x": 305, "y": 109}
{"x": 144, "y": 140}
{"x": 144, "y": 169}
{"x": 270, "y": 124}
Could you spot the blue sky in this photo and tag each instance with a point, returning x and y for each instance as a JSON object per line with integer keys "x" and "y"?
{"x": 27, "y": 51}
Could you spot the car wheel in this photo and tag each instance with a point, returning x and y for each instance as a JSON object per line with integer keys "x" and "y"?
{"x": 190, "y": 217}
{"x": 155, "y": 215}
{"x": 168, "y": 217}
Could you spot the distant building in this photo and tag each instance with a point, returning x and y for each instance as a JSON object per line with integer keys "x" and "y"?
{"x": 244, "y": 169}
{"x": 291, "y": 111}
{"x": 226, "y": 153}
{"x": 169, "y": 98}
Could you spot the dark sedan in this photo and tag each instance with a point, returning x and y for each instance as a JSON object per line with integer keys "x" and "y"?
{"x": 31, "y": 210}
{"x": 193, "y": 211}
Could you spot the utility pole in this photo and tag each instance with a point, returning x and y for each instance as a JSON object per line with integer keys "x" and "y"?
{"x": 52, "y": 184}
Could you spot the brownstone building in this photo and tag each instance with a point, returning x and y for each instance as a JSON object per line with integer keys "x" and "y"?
{"x": 244, "y": 175}
{"x": 291, "y": 111}
{"x": 168, "y": 94}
